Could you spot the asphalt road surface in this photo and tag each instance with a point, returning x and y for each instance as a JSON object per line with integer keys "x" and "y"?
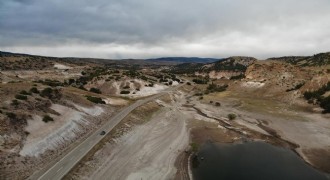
{"x": 63, "y": 166}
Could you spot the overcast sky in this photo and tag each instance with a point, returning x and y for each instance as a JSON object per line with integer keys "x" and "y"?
{"x": 155, "y": 28}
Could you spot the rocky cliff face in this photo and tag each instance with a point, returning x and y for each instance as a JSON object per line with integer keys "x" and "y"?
{"x": 287, "y": 75}
{"x": 283, "y": 80}
{"x": 282, "y": 74}
{"x": 226, "y": 68}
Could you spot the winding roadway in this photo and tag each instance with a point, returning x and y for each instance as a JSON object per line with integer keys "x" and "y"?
{"x": 64, "y": 165}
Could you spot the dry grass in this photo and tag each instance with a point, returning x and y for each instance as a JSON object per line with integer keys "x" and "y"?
{"x": 200, "y": 135}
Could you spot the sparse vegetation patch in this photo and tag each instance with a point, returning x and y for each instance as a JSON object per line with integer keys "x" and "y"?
{"x": 95, "y": 90}
{"x": 34, "y": 90}
{"x": 47, "y": 118}
{"x": 231, "y": 116}
{"x": 96, "y": 100}
{"x": 124, "y": 92}
{"x": 21, "y": 97}
{"x": 317, "y": 95}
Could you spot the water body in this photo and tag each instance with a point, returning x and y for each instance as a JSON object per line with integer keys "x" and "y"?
{"x": 251, "y": 160}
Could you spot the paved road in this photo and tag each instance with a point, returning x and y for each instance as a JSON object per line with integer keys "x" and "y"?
{"x": 63, "y": 166}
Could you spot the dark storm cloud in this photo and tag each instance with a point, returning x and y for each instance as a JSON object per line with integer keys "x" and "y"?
{"x": 144, "y": 28}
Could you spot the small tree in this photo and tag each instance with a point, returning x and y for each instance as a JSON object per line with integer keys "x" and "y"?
{"x": 231, "y": 116}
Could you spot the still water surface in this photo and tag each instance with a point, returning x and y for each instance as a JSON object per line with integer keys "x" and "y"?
{"x": 251, "y": 160}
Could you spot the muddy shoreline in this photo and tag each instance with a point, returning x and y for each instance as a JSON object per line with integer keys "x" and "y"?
{"x": 183, "y": 168}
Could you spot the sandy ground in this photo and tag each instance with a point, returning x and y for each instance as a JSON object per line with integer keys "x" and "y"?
{"x": 61, "y": 66}
{"x": 147, "y": 91}
{"x": 148, "y": 151}
{"x": 116, "y": 101}
{"x": 252, "y": 84}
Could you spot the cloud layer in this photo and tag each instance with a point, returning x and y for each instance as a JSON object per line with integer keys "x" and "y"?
{"x": 149, "y": 28}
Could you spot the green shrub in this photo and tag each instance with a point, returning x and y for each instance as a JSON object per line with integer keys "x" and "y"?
{"x": 95, "y": 90}
{"x": 82, "y": 88}
{"x": 124, "y": 92}
{"x": 96, "y": 100}
{"x": 25, "y": 93}
{"x": 213, "y": 87}
{"x": 51, "y": 93}
{"x": 325, "y": 104}
{"x": 318, "y": 93}
{"x": 11, "y": 115}
{"x": 163, "y": 80}
{"x": 71, "y": 81}
{"x": 217, "y": 104}
{"x": 21, "y": 97}
{"x": 241, "y": 76}
{"x": 34, "y": 90}
{"x": 47, "y": 118}
{"x": 200, "y": 81}
{"x": 50, "y": 82}
{"x": 14, "y": 102}
{"x": 318, "y": 96}
{"x": 47, "y": 92}
{"x": 231, "y": 116}
{"x": 298, "y": 86}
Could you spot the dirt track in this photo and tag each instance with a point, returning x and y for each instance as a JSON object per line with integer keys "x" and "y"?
{"x": 149, "y": 151}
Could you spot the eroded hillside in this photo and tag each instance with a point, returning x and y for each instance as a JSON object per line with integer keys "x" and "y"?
{"x": 48, "y": 104}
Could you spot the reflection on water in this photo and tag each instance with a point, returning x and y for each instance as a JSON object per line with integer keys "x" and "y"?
{"x": 252, "y": 160}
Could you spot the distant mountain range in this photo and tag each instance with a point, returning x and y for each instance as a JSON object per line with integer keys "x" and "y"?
{"x": 184, "y": 60}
